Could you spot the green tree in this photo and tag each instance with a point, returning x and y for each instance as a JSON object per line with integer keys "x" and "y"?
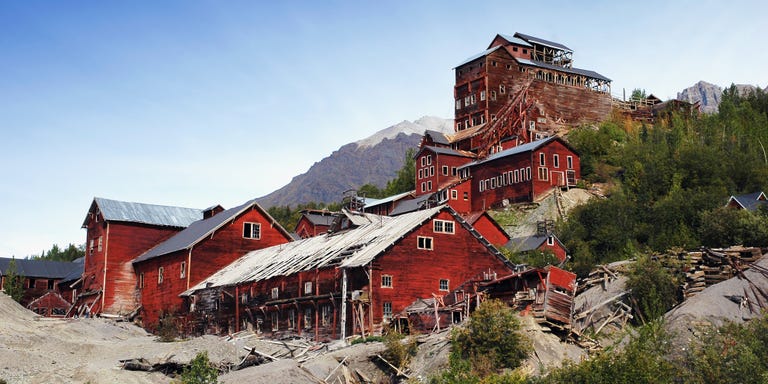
{"x": 71, "y": 252}
{"x": 492, "y": 340}
{"x": 14, "y": 282}
{"x": 370, "y": 191}
{"x": 652, "y": 287}
{"x": 638, "y": 94}
{"x": 406, "y": 176}
{"x": 200, "y": 371}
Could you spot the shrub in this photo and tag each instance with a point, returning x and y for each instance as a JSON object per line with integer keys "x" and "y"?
{"x": 400, "y": 349}
{"x": 167, "y": 331}
{"x": 200, "y": 371}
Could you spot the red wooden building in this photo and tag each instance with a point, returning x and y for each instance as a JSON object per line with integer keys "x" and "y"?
{"x": 436, "y": 168}
{"x": 348, "y": 281}
{"x": 50, "y": 304}
{"x": 386, "y": 205}
{"x": 117, "y": 233}
{"x": 205, "y": 246}
{"x": 558, "y": 94}
{"x": 488, "y": 227}
{"x": 522, "y": 173}
{"x": 313, "y": 222}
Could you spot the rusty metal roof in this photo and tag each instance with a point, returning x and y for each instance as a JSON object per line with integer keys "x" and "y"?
{"x": 539, "y": 41}
{"x": 114, "y": 210}
{"x": 575, "y": 71}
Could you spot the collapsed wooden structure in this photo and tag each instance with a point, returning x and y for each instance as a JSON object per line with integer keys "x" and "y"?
{"x": 546, "y": 293}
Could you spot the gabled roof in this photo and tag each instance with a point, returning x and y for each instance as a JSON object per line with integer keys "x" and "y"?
{"x": 446, "y": 151}
{"x": 353, "y": 248}
{"x": 201, "y": 229}
{"x": 750, "y": 201}
{"x": 529, "y": 243}
{"x": 513, "y": 40}
{"x": 575, "y": 71}
{"x": 437, "y": 137}
{"x": 473, "y": 217}
{"x": 318, "y": 217}
{"x": 479, "y": 55}
{"x": 527, "y": 147}
{"x": 114, "y": 210}
{"x": 76, "y": 272}
{"x": 374, "y": 202}
{"x": 466, "y": 133}
{"x": 40, "y": 268}
{"x": 410, "y": 205}
{"x": 536, "y": 40}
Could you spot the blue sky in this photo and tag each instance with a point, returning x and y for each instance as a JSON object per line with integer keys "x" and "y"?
{"x": 193, "y": 103}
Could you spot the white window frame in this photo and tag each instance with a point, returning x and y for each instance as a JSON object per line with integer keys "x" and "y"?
{"x": 386, "y": 308}
{"x": 502, "y": 89}
{"x": 307, "y": 287}
{"x": 429, "y": 185}
{"x": 386, "y": 281}
{"x": 543, "y": 174}
{"x": 445, "y": 170}
{"x": 183, "y": 270}
{"x": 421, "y": 173}
{"x": 275, "y": 292}
{"x": 141, "y": 280}
{"x": 556, "y": 161}
{"x": 550, "y": 240}
{"x": 160, "y": 271}
{"x": 101, "y": 243}
{"x": 291, "y": 318}
{"x": 444, "y": 283}
{"x": 528, "y": 173}
{"x": 423, "y": 161}
{"x": 458, "y": 104}
{"x": 425, "y": 243}
{"x": 252, "y": 231}
{"x": 454, "y": 194}
{"x": 472, "y": 99}
{"x": 482, "y": 95}
{"x": 569, "y": 162}
{"x": 431, "y": 171}
{"x": 542, "y": 159}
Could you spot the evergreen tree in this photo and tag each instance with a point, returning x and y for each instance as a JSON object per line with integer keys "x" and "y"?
{"x": 13, "y": 285}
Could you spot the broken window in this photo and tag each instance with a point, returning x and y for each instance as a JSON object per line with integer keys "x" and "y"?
{"x": 291, "y": 318}
{"x": 307, "y": 318}
{"x": 252, "y": 231}
{"x": 159, "y": 275}
{"x": 141, "y": 280}
{"x": 101, "y": 243}
{"x": 308, "y": 288}
{"x": 325, "y": 315}
{"x": 183, "y": 268}
{"x": 275, "y": 321}
{"x": 275, "y": 292}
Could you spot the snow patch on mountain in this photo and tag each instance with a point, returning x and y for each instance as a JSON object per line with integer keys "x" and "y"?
{"x": 407, "y": 127}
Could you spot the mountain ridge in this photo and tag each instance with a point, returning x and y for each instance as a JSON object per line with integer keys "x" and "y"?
{"x": 373, "y": 160}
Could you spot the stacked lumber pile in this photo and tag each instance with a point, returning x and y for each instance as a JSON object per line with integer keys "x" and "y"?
{"x": 701, "y": 269}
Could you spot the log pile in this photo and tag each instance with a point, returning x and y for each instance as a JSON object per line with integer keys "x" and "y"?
{"x": 708, "y": 266}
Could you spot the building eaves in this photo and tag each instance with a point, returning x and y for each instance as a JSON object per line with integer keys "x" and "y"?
{"x": 515, "y": 40}
{"x": 40, "y": 268}
{"x": 385, "y": 200}
{"x": 437, "y": 137}
{"x": 527, "y": 147}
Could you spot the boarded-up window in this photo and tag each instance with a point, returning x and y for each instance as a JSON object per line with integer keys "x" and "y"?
{"x": 159, "y": 275}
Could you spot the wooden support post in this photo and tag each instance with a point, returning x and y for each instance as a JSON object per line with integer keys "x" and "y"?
{"x": 237, "y": 308}
{"x": 343, "y": 303}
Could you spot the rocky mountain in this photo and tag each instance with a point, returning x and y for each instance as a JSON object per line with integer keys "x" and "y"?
{"x": 709, "y": 94}
{"x": 373, "y": 160}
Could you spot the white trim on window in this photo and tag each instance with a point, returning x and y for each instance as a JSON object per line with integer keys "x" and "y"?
{"x": 252, "y": 231}
{"x": 424, "y": 242}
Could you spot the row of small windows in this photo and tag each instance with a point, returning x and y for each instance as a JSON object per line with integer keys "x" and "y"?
{"x": 386, "y": 282}
{"x": 555, "y": 161}
{"x": 161, "y": 274}
{"x": 100, "y": 246}
{"x": 476, "y": 120}
{"x": 426, "y": 160}
{"x": 326, "y": 314}
{"x": 426, "y": 186}
{"x": 443, "y": 226}
{"x": 506, "y": 178}
{"x": 427, "y": 172}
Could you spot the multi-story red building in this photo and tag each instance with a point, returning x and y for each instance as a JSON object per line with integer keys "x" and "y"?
{"x": 205, "y": 246}
{"x": 117, "y": 233}
{"x": 350, "y": 281}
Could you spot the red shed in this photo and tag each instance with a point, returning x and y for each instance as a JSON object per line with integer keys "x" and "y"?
{"x": 351, "y": 281}
{"x": 117, "y": 233}
{"x": 198, "y": 251}
{"x": 539, "y": 242}
{"x": 437, "y": 167}
{"x": 313, "y": 222}
{"x": 51, "y": 304}
{"x": 488, "y": 227}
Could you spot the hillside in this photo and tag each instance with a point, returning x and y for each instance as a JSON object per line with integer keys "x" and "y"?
{"x": 373, "y": 160}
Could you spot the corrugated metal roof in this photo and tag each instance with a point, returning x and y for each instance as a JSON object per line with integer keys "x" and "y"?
{"x": 319, "y": 218}
{"x": 200, "y": 229}
{"x": 525, "y": 244}
{"x": 536, "y": 40}
{"x": 576, "y": 71}
{"x": 410, "y": 205}
{"x": 527, "y": 147}
{"x": 40, "y": 268}
{"x": 479, "y": 55}
{"x": 353, "y": 248}
{"x": 449, "y": 151}
{"x": 113, "y": 210}
{"x": 375, "y": 202}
